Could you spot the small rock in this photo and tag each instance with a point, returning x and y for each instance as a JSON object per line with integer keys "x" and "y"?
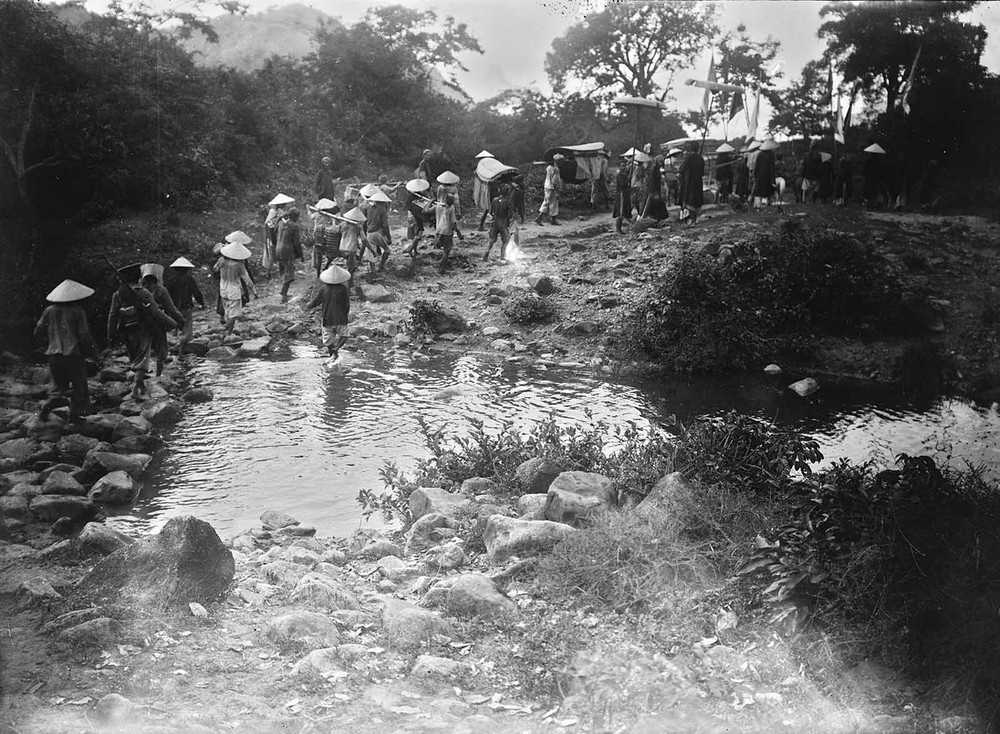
{"x": 163, "y": 413}
{"x": 50, "y": 507}
{"x": 114, "y": 488}
{"x": 772, "y": 369}
{"x": 804, "y": 387}
{"x": 100, "y": 632}
{"x": 273, "y": 520}
{"x": 62, "y": 483}
{"x": 97, "y": 537}
{"x": 197, "y": 609}
{"x": 542, "y": 284}
{"x": 221, "y": 354}
{"x": 309, "y": 628}
{"x": 535, "y": 475}
{"x": 198, "y": 395}
{"x": 375, "y": 293}
{"x": 114, "y": 710}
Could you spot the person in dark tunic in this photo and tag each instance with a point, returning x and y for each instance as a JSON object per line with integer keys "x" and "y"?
{"x": 825, "y": 191}
{"x": 135, "y": 315}
{"x": 416, "y": 216}
{"x": 289, "y": 248}
{"x": 64, "y": 326}
{"x": 326, "y": 184}
{"x": 724, "y": 172}
{"x": 184, "y": 291}
{"x": 623, "y": 195}
{"x": 656, "y": 207}
{"x": 741, "y": 178}
{"x": 690, "y": 176}
{"x": 764, "y": 173}
{"x": 874, "y": 171}
{"x": 500, "y": 209}
{"x": 162, "y": 297}
{"x": 811, "y": 173}
{"x": 335, "y": 298}
{"x": 517, "y": 197}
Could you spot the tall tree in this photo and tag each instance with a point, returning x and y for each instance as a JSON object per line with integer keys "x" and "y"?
{"x": 630, "y": 48}
{"x": 875, "y": 43}
{"x": 803, "y": 109}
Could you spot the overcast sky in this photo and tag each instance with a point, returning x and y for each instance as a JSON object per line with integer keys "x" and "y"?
{"x": 516, "y": 34}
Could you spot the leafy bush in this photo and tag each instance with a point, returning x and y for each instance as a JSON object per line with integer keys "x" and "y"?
{"x": 424, "y": 315}
{"x": 912, "y": 555}
{"x": 528, "y": 308}
{"x": 775, "y": 291}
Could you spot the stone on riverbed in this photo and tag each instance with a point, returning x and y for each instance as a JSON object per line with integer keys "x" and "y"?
{"x": 475, "y": 595}
{"x": 535, "y": 475}
{"x": 99, "y": 463}
{"x": 99, "y": 633}
{"x": 133, "y": 425}
{"x": 575, "y": 495}
{"x": 197, "y": 347}
{"x": 59, "y": 482}
{"x": 804, "y": 387}
{"x": 50, "y": 507}
{"x": 428, "y": 531}
{"x": 424, "y": 500}
{"x": 146, "y": 444}
{"x": 506, "y": 536}
{"x": 255, "y": 347}
{"x": 76, "y": 445}
{"x": 96, "y": 537}
{"x": 375, "y": 293}
{"x": 198, "y": 395}
{"x": 185, "y": 562}
{"x": 163, "y": 413}
{"x": 309, "y": 628}
{"x": 221, "y": 354}
{"x": 324, "y": 592}
{"x": 407, "y": 626}
{"x": 13, "y": 507}
{"x": 114, "y": 488}
{"x": 274, "y": 520}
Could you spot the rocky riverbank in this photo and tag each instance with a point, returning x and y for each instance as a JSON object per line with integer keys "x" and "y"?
{"x": 427, "y": 632}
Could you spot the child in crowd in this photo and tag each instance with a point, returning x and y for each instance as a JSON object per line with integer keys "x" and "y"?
{"x": 447, "y": 228}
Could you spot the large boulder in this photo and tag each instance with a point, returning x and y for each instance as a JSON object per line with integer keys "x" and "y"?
{"x": 163, "y": 412}
{"x": 100, "y": 425}
{"x": 198, "y": 395}
{"x": 506, "y": 536}
{"x": 320, "y": 664}
{"x": 142, "y": 444}
{"x": 114, "y": 488}
{"x": 532, "y": 506}
{"x": 14, "y": 508}
{"x": 26, "y": 451}
{"x": 133, "y": 425}
{"x": 574, "y": 495}
{"x": 185, "y": 562}
{"x": 274, "y": 520}
{"x": 474, "y": 595}
{"x": 804, "y": 387}
{"x": 424, "y": 500}
{"x": 447, "y": 557}
{"x": 51, "y": 507}
{"x": 407, "y": 626}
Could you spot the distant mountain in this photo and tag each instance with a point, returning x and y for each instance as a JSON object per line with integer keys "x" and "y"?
{"x": 245, "y": 42}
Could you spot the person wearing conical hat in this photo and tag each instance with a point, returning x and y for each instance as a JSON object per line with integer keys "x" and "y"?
{"x": 724, "y": 159}
{"x": 352, "y": 240}
{"x": 161, "y": 296}
{"x": 690, "y": 175}
{"x": 377, "y": 228}
{"x": 416, "y": 213}
{"x": 135, "y": 316}
{"x": 184, "y": 291}
{"x": 448, "y": 184}
{"x": 63, "y": 325}
{"x": 233, "y": 278}
{"x": 875, "y": 176}
{"x": 335, "y": 298}
{"x": 446, "y": 229}
{"x": 275, "y": 216}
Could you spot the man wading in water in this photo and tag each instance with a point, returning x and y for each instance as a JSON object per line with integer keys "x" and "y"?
{"x": 335, "y": 299}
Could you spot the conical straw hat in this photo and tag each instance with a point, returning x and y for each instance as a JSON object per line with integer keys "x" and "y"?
{"x": 753, "y": 146}
{"x": 68, "y": 291}
{"x": 368, "y": 190}
{"x": 825, "y": 157}
{"x": 768, "y": 144}
{"x": 448, "y": 178}
{"x": 334, "y": 275}
{"x": 154, "y": 269}
{"x": 325, "y": 205}
{"x": 725, "y": 148}
{"x": 416, "y": 185}
{"x": 485, "y": 154}
{"x": 182, "y": 262}
{"x": 875, "y": 148}
{"x": 239, "y": 237}
{"x": 356, "y": 215}
{"x": 280, "y": 199}
{"x": 379, "y": 196}
{"x": 235, "y": 251}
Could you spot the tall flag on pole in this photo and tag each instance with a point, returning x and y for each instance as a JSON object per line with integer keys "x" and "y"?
{"x": 829, "y": 88}
{"x": 838, "y": 130}
{"x": 850, "y": 108}
{"x": 754, "y": 116}
{"x": 908, "y": 86}
{"x": 706, "y": 102}
{"x": 735, "y": 106}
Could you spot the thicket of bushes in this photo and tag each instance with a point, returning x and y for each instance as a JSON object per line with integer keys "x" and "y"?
{"x": 775, "y": 291}
{"x": 902, "y": 564}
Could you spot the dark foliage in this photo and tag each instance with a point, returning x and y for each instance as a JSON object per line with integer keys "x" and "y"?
{"x": 775, "y": 290}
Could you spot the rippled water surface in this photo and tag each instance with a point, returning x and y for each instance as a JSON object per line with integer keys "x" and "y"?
{"x": 291, "y": 434}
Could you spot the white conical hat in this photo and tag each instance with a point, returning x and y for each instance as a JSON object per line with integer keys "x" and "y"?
{"x": 768, "y": 144}
{"x": 182, "y": 262}
{"x": 334, "y": 275}
{"x": 68, "y": 291}
{"x": 356, "y": 215}
{"x": 416, "y": 185}
{"x": 239, "y": 237}
{"x": 280, "y": 199}
{"x": 874, "y": 148}
{"x": 235, "y": 251}
{"x": 674, "y": 151}
{"x": 368, "y": 190}
{"x": 448, "y": 178}
{"x": 325, "y": 205}
{"x": 825, "y": 156}
{"x": 754, "y": 145}
{"x": 485, "y": 154}
{"x": 725, "y": 148}
{"x": 379, "y": 196}
{"x": 154, "y": 269}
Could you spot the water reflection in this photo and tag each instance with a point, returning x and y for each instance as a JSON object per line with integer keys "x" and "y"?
{"x": 289, "y": 433}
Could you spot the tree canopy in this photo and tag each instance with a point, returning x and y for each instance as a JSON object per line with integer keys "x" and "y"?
{"x": 630, "y": 48}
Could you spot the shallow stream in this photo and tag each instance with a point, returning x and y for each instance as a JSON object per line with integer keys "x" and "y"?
{"x": 292, "y": 434}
